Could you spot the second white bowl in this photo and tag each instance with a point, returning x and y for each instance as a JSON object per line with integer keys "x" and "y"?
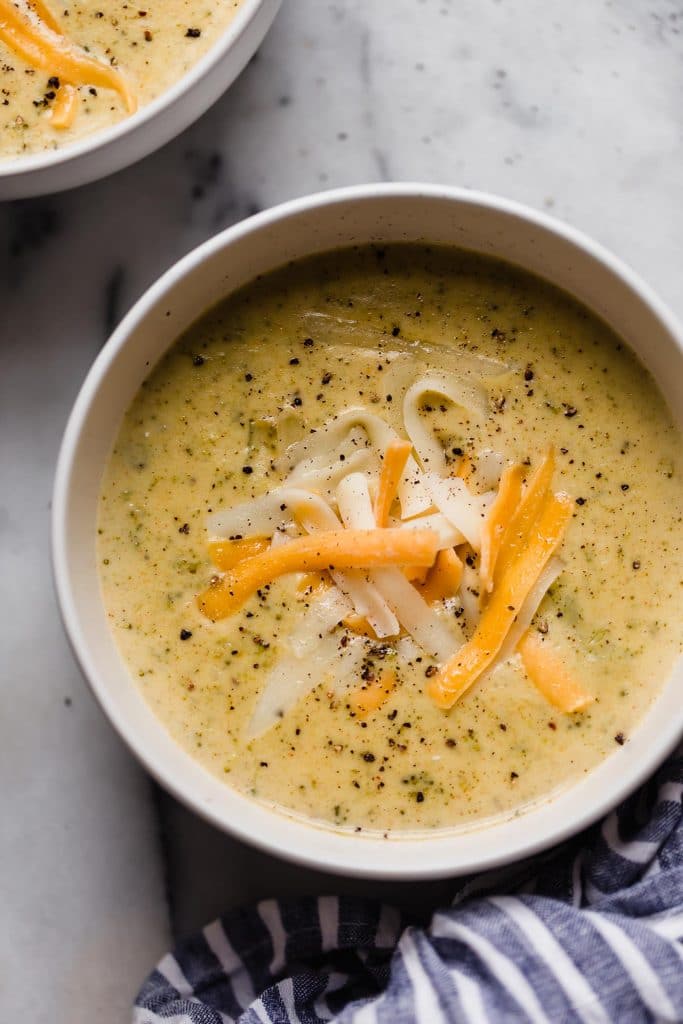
{"x": 97, "y": 155}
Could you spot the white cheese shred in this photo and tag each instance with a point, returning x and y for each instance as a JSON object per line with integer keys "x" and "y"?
{"x": 464, "y": 510}
{"x": 468, "y": 395}
{"x": 312, "y": 652}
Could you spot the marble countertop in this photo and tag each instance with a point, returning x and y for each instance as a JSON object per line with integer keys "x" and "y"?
{"x": 572, "y": 108}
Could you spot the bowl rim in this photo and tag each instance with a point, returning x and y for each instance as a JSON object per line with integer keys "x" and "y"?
{"x": 294, "y": 839}
{"x": 17, "y": 166}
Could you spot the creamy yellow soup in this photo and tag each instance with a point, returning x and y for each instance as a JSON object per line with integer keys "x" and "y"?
{"x": 274, "y": 364}
{"x": 148, "y": 46}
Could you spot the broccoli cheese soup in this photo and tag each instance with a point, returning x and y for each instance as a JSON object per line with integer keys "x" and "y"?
{"x": 68, "y": 70}
{"x": 390, "y": 539}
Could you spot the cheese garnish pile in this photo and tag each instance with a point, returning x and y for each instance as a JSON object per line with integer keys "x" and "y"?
{"x": 395, "y": 546}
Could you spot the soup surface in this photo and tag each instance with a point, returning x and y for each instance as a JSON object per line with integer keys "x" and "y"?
{"x": 305, "y": 380}
{"x": 68, "y": 70}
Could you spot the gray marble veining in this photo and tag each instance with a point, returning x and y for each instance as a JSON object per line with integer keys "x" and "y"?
{"x": 573, "y": 108}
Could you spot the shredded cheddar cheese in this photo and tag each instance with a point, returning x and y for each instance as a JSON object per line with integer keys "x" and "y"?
{"x": 443, "y": 579}
{"x": 550, "y": 676}
{"x": 459, "y": 674}
{"x": 225, "y": 554}
{"x": 334, "y": 549}
{"x": 65, "y": 107}
{"x": 33, "y": 34}
{"x": 395, "y": 459}
{"x": 370, "y": 697}
{"x": 517, "y": 533}
{"x": 499, "y": 518}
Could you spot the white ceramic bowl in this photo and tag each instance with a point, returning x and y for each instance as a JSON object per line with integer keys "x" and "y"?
{"x": 102, "y": 153}
{"x": 376, "y": 213}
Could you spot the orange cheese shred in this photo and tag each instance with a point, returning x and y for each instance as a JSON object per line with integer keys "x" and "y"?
{"x": 550, "y": 676}
{"x": 65, "y": 107}
{"x": 45, "y": 14}
{"x": 333, "y": 549}
{"x": 515, "y": 537}
{"x": 373, "y": 695}
{"x": 38, "y": 40}
{"x": 416, "y": 573}
{"x": 395, "y": 458}
{"x": 313, "y": 584}
{"x": 443, "y": 578}
{"x": 500, "y": 516}
{"x": 359, "y": 625}
{"x": 226, "y": 554}
{"x": 464, "y": 469}
{"x": 510, "y": 592}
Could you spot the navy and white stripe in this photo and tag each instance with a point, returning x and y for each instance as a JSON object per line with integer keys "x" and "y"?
{"x": 592, "y": 933}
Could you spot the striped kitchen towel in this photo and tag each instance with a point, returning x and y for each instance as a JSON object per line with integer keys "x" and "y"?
{"x": 591, "y": 932}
